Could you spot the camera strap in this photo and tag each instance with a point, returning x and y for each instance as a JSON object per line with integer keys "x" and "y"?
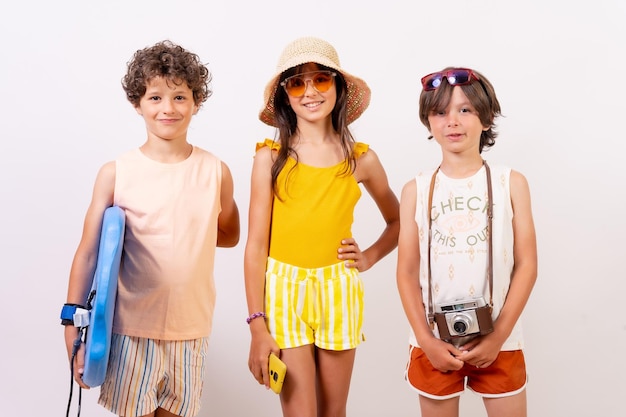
{"x": 431, "y": 313}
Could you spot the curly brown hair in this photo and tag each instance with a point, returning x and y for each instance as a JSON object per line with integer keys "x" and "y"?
{"x": 171, "y": 61}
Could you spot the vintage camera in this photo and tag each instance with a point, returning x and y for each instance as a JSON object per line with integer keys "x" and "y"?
{"x": 462, "y": 320}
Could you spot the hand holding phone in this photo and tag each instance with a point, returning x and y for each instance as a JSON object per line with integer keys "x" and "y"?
{"x": 278, "y": 370}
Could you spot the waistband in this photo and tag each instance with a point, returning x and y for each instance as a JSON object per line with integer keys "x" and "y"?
{"x": 294, "y": 272}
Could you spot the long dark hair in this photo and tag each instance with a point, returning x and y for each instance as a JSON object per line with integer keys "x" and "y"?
{"x": 287, "y": 124}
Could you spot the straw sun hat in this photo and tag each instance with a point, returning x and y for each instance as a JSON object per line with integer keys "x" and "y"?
{"x": 309, "y": 49}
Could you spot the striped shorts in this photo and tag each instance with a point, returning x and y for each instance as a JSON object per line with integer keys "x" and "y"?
{"x": 146, "y": 374}
{"x": 321, "y": 306}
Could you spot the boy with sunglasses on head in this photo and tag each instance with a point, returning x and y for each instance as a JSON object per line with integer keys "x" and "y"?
{"x": 467, "y": 257}
{"x": 179, "y": 206}
{"x": 302, "y": 264}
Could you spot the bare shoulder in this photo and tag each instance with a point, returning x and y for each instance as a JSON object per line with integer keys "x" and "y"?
{"x": 105, "y": 182}
{"x": 368, "y": 156}
{"x": 108, "y": 169}
{"x": 520, "y": 193}
{"x": 518, "y": 179}
{"x": 264, "y": 158}
{"x": 519, "y": 184}
{"x": 264, "y": 153}
{"x": 408, "y": 196}
{"x": 227, "y": 181}
{"x": 369, "y": 167}
{"x": 410, "y": 189}
{"x": 103, "y": 193}
{"x": 225, "y": 170}
{"x": 408, "y": 224}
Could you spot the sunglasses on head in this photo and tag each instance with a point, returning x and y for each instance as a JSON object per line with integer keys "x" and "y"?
{"x": 321, "y": 81}
{"x": 458, "y": 76}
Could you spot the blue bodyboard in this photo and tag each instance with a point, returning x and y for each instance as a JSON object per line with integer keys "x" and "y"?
{"x": 103, "y": 294}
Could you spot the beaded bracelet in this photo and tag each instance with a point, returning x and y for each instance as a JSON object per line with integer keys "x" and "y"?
{"x": 255, "y": 316}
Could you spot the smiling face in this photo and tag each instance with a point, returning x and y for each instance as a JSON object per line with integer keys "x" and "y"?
{"x": 167, "y": 109}
{"x": 313, "y": 106}
{"x": 457, "y": 128}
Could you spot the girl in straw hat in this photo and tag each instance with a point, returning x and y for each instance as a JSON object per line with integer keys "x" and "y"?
{"x": 302, "y": 264}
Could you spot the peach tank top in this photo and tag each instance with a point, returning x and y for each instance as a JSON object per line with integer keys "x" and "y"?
{"x": 166, "y": 289}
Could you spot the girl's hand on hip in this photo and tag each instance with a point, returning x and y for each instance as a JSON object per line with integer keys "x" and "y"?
{"x": 350, "y": 253}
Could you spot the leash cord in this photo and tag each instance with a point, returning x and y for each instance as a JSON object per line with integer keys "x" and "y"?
{"x": 75, "y": 348}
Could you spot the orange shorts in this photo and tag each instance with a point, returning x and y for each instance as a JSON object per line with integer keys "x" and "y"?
{"x": 506, "y": 376}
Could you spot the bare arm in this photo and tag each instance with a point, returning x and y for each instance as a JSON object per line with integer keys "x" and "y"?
{"x": 441, "y": 354}
{"x": 84, "y": 263}
{"x": 228, "y": 220}
{"x": 485, "y": 350}
{"x": 255, "y": 259}
{"x": 525, "y": 255}
{"x": 372, "y": 175}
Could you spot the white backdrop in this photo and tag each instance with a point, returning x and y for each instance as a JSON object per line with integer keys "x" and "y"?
{"x": 557, "y": 67}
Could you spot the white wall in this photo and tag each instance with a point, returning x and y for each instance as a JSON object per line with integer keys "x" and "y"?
{"x": 556, "y": 65}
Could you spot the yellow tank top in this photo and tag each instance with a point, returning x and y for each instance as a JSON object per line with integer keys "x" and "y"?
{"x": 314, "y": 213}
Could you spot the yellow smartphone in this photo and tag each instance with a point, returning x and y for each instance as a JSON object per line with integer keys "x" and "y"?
{"x": 278, "y": 370}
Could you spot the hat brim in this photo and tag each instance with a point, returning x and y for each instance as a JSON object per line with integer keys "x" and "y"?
{"x": 358, "y": 92}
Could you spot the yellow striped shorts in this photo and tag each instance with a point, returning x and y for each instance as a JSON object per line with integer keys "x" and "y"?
{"x": 321, "y": 306}
{"x": 145, "y": 374}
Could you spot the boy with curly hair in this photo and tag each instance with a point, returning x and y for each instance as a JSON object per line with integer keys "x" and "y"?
{"x": 179, "y": 206}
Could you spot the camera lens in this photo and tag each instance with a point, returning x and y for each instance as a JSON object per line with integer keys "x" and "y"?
{"x": 460, "y": 325}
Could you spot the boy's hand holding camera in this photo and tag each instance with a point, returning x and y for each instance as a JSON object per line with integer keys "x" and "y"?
{"x": 483, "y": 350}
{"x": 442, "y": 355}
